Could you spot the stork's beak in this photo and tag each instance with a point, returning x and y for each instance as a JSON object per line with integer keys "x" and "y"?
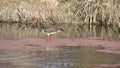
{"x": 34, "y": 22}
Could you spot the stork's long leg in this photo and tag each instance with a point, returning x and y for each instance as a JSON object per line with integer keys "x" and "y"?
{"x": 49, "y": 38}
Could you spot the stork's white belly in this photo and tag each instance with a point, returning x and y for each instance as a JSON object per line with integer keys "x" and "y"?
{"x": 51, "y": 33}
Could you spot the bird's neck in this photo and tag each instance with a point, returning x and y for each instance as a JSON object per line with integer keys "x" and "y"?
{"x": 40, "y": 26}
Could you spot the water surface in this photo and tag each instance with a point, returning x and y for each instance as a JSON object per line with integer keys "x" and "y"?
{"x": 66, "y": 57}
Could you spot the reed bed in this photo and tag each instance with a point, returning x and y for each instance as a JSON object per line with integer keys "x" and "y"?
{"x": 79, "y": 18}
{"x": 66, "y": 11}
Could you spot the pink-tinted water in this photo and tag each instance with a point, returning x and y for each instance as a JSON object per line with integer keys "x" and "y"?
{"x": 39, "y": 44}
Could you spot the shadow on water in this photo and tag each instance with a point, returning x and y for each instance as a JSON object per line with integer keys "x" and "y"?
{"x": 68, "y": 57}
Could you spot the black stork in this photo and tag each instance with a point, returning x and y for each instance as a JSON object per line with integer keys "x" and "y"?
{"x": 49, "y": 29}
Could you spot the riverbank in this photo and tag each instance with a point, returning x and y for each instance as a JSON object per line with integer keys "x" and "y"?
{"x": 43, "y": 44}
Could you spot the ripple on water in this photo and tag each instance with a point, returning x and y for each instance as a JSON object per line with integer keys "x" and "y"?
{"x": 69, "y": 57}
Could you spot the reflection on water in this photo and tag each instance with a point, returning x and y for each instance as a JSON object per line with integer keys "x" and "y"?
{"x": 19, "y": 31}
{"x": 68, "y": 57}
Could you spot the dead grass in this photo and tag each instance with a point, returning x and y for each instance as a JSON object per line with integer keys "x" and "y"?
{"x": 68, "y": 11}
{"x": 82, "y": 17}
